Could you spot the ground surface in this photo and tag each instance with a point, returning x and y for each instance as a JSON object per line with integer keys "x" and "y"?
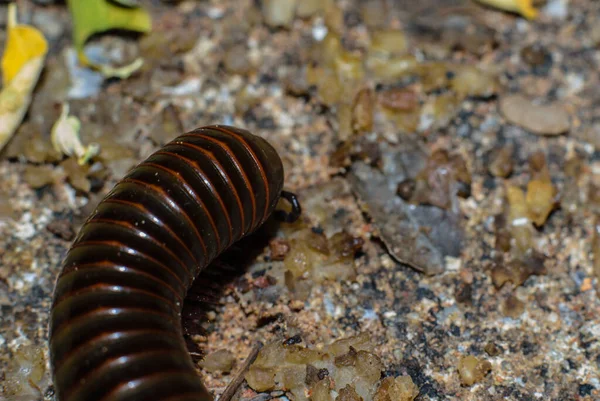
{"x": 218, "y": 62}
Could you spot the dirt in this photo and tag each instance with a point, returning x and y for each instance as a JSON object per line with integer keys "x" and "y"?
{"x": 541, "y": 333}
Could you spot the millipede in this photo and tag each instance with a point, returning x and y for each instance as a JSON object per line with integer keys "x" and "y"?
{"x": 115, "y": 324}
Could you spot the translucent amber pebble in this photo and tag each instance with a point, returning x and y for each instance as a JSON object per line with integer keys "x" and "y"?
{"x": 302, "y": 355}
{"x": 513, "y": 307}
{"x": 261, "y": 379}
{"x": 345, "y": 245}
{"x": 492, "y": 349}
{"x": 521, "y": 229}
{"x": 434, "y": 75}
{"x": 39, "y": 176}
{"x": 446, "y": 107}
{"x": 76, "y": 174}
{"x": 272, "y": 354}
{"x": 471, "y": 81}
{"x": 362, "y": 111}
{"x": 502, "y": 233}
{"x": 400, "y": 388}
{"x": 334, "y": 18}
{"x": 314, "y": 375}
{"x": 305, "y": 372}
{"x": 348, "y": 393}
{"x": 345, "y": 130}
{"x": 279, "y": 12}
{"x": 537, "y": 163}
{"x": 300, "y": 260}
{"x": 335, "y": 269}
{"x": 389, "y": 41}
{"x": 443, "y": 108}
{"x": 24, "y": 374}
{"x": 328, "y": 85}
{"x": 359, "y": 342}
{"x": 540, "y": 200}
{"x": 391, "y": 68}
{"x": 368, "y": 366}
{"x": 279, "y": 248}
{"x": 307, "y": 8}
{"x": 330, "y": 90}
{"x": 374, "y": 13}
{"x": 292, "y": 377}
{"x": 472, "y": 369}
{"x": 501, "y": 164}
{"x": 218, "y": 361}
{"x": 348, "y": 359}
{"x": 299, "y": 288}
{"x": 516, "y": 200}
{"x": 518, "y": 271}
{"x": 406, "y": 122}
{"x": 317, "y": 242}
{"x": 399, "y": 99}
{"x": 349, "y": 66}
{"x": 328, "y": 50}
{"x": 31, "y": 143}
{"x": 321, "y": 391}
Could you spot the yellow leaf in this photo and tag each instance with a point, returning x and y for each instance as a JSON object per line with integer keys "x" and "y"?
{"x": 22, "y": 63}
{"x": 523, "y": 7}
{"x": 96, "y": 16}
{"x": 24, "y": 43}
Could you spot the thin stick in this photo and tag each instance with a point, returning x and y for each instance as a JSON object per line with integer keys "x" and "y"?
{"x": 231, "y": 389}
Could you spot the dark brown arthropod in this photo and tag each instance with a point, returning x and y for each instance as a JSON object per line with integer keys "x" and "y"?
{"x": 115, "y": 329}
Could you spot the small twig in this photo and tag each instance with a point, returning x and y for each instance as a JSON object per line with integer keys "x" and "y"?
{"x": 239, "y": 378}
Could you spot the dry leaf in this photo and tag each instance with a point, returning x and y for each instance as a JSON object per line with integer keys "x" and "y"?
{"x": 523, "y": 7}
{"x": 65, "y": 138}
{"x": 22, "y": 63}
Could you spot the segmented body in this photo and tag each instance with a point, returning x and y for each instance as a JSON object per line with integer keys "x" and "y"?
{"x": 116, "y": 316}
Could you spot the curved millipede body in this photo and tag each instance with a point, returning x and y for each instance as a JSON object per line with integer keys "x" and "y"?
{"x": 115, "y": 330}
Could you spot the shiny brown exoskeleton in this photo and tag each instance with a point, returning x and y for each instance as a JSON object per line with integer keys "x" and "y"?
{"x": 115, "y": 330}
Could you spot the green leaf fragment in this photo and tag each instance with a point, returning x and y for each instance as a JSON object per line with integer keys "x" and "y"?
{"x": 96, "y": 16}
{"x": 126, "y": 3}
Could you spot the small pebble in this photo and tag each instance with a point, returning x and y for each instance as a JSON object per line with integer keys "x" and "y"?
{"x": 549, "y": 119}
{"x": 472, "y": 369}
